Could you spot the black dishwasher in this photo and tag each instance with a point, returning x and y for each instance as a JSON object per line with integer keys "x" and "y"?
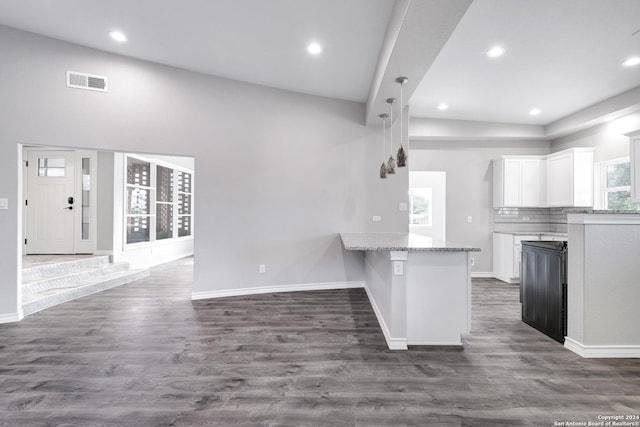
{"x": 543, "y": 287}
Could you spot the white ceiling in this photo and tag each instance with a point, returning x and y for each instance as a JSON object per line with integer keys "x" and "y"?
{"x": 257, "y": 41}
{"x": 562, "y": 55}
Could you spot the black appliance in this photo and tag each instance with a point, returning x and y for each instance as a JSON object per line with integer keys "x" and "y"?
{"x": 543, "y": 287}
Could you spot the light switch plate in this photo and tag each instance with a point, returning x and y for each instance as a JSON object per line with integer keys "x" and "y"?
{"x": 4, "y": 203}
{"x": 398, "y": 268}
{"x": 402, "y": 207}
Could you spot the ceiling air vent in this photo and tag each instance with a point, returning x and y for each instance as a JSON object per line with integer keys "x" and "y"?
{"x": 86, "y": 81}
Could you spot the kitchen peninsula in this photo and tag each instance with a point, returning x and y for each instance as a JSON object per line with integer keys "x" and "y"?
{"x": 603, "y": 285}
{"x": 420, "y": 290}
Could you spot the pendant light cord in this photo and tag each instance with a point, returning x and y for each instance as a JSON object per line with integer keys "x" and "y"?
{"x": 401, "y": 114}
{"x": 384, "y": 139}
{"x": 402, "y": 154}
{"x": 391, "y": 127}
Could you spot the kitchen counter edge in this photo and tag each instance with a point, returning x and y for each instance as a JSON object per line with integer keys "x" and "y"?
{"x": 409, "y": 242}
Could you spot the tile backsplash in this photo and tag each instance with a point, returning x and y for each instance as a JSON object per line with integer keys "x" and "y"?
{"x": 509, "y": 220}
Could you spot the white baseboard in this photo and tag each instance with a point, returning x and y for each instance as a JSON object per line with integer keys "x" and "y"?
{"x": 392, "y": 343}
{"x": 271, "y": 289}
{"x": 443, "y": 343}
{"x": 503, "y": 278}
{"x": 10, "y": 318}
{"x": 602, "y": 351}
{"x": 482, "y": 274}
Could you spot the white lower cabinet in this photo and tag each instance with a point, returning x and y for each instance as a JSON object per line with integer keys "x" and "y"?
{"x": 507, "y": 255}
{"x": 553, "y": 238}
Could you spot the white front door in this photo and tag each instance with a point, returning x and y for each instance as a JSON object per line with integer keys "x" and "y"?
{"x": 50, "y": 202}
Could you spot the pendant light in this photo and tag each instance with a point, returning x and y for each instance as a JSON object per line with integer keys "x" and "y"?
{"x": 402, "y": 156}
{"x": 383, "y": 168}
{"x": 391, "y": 163}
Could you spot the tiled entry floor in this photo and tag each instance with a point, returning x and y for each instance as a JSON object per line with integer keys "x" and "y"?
{"x": 49, "y": 280}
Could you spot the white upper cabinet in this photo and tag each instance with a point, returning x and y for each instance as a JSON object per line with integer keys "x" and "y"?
{"x": 533, "y": 182}
{"x": 635, "y": 165}
{"x": 562, "y": 179}
{"x": 570, "y": 178}
{"x": 518, "y": 181}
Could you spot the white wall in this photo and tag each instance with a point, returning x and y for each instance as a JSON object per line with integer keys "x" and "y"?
{"x": 280, "y": 174}
{"x": 105, "y": 202}
{"x": 469, "y": 186}
{"x": 608, "y": 138}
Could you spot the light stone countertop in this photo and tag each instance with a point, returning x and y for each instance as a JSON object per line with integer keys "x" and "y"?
{"x": 398, "y": 242}
{"x": 612, "y": 212}
{"x": 589, "y": 211}
{"x": 533, "y": 233}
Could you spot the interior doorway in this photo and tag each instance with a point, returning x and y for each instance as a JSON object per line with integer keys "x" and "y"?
{"x": 428, "y": 200}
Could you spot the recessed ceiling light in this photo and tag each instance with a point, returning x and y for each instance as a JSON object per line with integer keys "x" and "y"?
{"x": 442, "y": 106}
{"x": 535, "y": 111}
{"x": 314, "y": 48}
{"x": 495, "y": 52}
{"x": 634, "y": 60}
{"x": 118, "y": 36}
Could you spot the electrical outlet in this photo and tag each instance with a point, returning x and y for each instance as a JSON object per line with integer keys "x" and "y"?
{"x": 377, "y": 218}
{"x": 4, "y": 203}
{"x": 262, "y": 268}
{"x": 469, "y": 219}
{"x": 402, "y": 207}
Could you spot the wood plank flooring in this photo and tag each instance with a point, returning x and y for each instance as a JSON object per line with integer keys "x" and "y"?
{"x": 145, "y": 355}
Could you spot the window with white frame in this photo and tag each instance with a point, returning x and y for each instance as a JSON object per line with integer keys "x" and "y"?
{"x": 616, "y": 185}
{"x": 420, "y": 200}
{"x": 138, "y": 200}
{"x": 159, "y": 201}
{"x": 165, "y": 204}
{"x": 184, "y": 204}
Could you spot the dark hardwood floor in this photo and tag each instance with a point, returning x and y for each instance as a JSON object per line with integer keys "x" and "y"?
{"x": 145, "y": 355}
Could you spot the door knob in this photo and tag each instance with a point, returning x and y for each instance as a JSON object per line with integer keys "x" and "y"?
{"x": 69, "y": 207}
